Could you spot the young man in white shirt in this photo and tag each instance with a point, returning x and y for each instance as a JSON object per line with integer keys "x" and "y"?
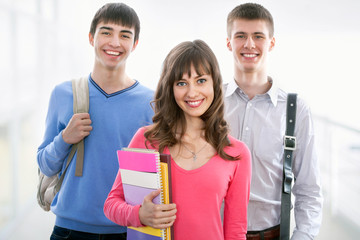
{"x": 256, "y": 113}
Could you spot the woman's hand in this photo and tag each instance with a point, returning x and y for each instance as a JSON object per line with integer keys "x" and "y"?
{"x": 157, "y": 215}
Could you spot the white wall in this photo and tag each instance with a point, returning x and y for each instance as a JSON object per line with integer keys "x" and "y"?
{"x": 45, "y": 42}
{"x": 316, "y": 51}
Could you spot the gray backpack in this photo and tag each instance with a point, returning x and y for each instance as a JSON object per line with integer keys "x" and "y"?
{"x": 48, "y": 187}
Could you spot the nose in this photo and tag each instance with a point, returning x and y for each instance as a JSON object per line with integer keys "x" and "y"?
{"x": 249, "y": 43}
{"x": 115, "y": 41}
{"x": 192, "y": 91}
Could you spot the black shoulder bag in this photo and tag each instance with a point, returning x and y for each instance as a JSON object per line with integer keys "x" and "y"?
{"x": 289, "y": 147}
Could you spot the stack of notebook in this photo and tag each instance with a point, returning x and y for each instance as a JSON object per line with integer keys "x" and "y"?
{"x": 143, "y": 171}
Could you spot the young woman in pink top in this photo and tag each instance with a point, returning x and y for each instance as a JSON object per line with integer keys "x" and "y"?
{"x": 208, "y": 165}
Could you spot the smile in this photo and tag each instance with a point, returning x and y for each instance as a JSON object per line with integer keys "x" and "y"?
{"x": 194, "y": 103}
{"x": 113, "y": 53}
{"x": 249, "y": 55}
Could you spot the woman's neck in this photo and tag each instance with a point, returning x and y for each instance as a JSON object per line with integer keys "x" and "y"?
{"x": 192, "y": 151}
{"x": 194, "y": 127}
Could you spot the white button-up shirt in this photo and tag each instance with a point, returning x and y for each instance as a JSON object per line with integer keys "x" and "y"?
{"x": 261, "y": 123}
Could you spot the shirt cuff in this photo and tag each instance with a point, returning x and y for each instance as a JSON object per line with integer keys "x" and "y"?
{"x": 61, "y": 145}
{"x": 297, "y": 235}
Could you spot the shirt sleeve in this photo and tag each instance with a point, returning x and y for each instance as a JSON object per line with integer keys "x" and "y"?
{"x": 307, "y": 187}
{"x": 115, "y": 207}
{"x": 237, "y": 197}
{"x": 53, "y": 150}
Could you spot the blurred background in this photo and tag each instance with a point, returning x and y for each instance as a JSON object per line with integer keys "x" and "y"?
{"x": 45, "y": 42}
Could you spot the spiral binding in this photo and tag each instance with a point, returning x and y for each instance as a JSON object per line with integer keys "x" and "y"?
{"x": 160, "y": 184}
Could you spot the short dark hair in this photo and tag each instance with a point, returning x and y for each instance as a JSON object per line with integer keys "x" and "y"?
{"x": 250, "y": 11}
{"x": 118, "y": 13}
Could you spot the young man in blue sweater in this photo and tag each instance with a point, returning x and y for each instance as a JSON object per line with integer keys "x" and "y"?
{"x": 119, "y": 105}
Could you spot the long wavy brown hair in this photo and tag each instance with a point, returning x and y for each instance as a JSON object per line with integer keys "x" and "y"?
{"x": 169, "y": 117}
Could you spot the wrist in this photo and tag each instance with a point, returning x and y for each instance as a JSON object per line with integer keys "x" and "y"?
{"x": 64, "y": 137}
{"x": 138, "y": 218}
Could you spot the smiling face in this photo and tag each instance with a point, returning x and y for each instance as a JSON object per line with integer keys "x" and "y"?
{"x": 113, "y": 44}
{"x": 250, "y": 44}
{"x": 194, "y": 94}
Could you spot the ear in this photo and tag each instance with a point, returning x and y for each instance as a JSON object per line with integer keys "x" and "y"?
{"x": 91, "y": 39}
{"x": 272, "y": 44}
{"x": 135, "y": 44}
{"x": 228, "y": 44}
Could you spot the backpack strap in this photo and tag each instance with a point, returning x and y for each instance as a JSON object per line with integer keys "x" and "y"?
{"x": 289, "y": 147}
{"x": 81, "y": 95}
{"x": 81, "y": 105}
{"x": 80, "y": 89}
{"x": 70, "y": 157}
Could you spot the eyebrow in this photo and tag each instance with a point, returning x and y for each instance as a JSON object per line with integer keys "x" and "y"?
{"x": 256, "y": 33}
{"x": 196, "y": 77}
{"x": 111, "y": 29}
{"x": 259, "y": 33}
{"x": 106, "y": 28}
{"x": 127, "y": 31}
{"x": 240, "y": 33}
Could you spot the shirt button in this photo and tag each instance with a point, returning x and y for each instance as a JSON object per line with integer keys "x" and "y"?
{"x": 247, "y": 128}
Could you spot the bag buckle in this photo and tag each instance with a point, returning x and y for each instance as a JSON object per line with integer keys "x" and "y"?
{"x": 290, "y": 143}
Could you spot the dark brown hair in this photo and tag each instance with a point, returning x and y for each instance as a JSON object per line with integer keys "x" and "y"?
{"x": 118, "y": 13}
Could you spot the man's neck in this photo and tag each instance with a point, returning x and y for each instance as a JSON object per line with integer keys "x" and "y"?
{"x": 111, "y": 81}
{"x": 252, "y": 83}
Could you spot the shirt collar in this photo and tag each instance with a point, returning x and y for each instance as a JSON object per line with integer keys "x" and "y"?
{"x": 272, "y": 92}
{"x": 231, "y": 88}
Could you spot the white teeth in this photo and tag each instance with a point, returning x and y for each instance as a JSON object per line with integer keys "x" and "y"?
{"x": 194, "y": 103}
{"x": 249, "y": 55}
{"x": 113, "y": 53}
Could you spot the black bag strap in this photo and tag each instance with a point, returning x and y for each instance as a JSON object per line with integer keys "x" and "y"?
{"x": 289, "y": 147}
{"x": 80, "y": 89}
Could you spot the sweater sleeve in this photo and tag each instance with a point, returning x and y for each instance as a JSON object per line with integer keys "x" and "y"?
{"x": 115, "y": 207}
{"x": 53, "y": 150}
{"x": 237, "y": 197}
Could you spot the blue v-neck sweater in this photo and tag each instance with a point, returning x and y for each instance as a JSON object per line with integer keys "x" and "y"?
{"x": 115, "y": 119}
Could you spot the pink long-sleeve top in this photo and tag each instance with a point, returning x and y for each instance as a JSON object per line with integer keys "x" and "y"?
{"x": 198, "y": 195}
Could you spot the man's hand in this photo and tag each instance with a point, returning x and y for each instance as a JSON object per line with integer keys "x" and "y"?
{"x": 159, "y": 216}
{"x": 78, "y": 128}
